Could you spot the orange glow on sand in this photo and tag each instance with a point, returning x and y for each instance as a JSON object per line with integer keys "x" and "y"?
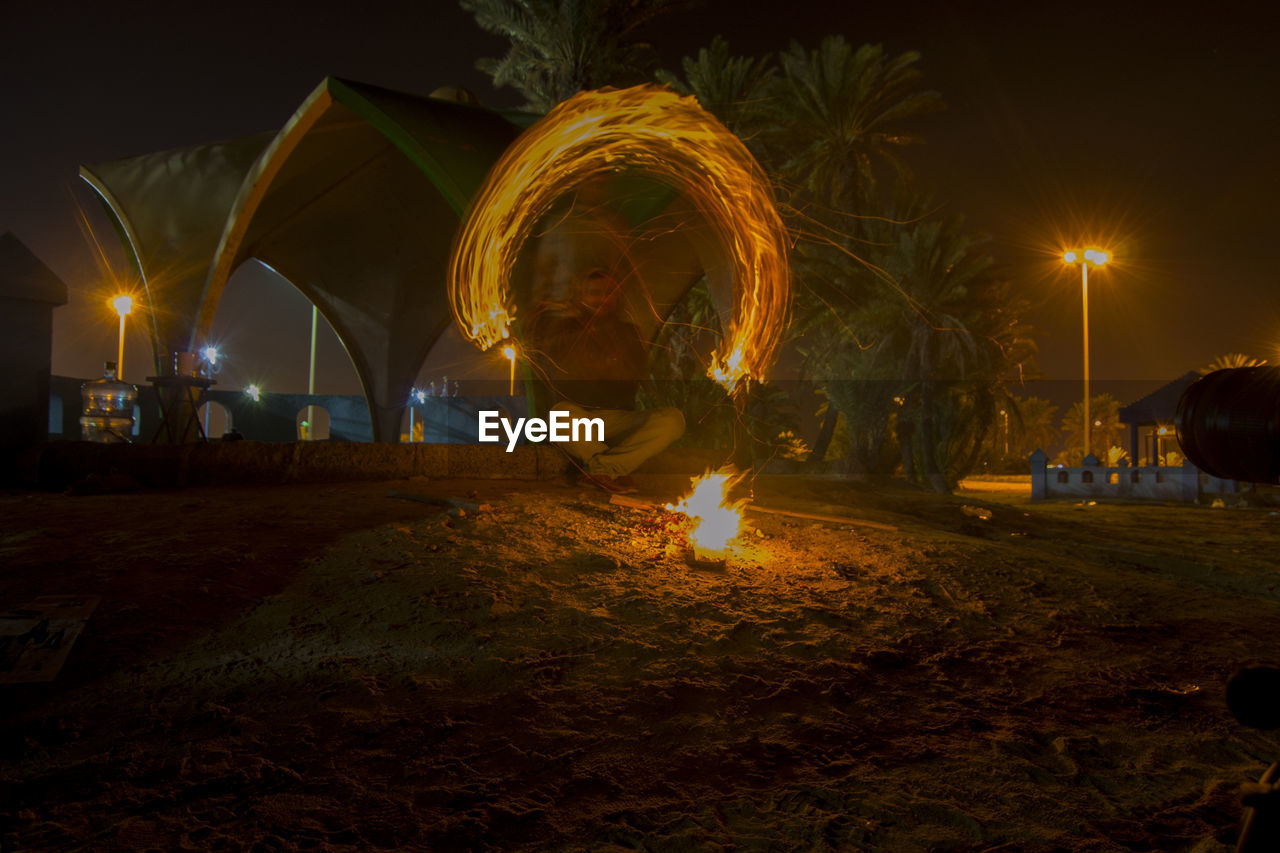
{"x": 715, "y": 520}
{"x": 659, "y": 133}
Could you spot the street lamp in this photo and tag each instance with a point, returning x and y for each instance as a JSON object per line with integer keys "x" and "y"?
{"x": 123, "y": 305}
{"x": 1097, "y": 257}
{"x": 420, "y": 396}
{"x": 210, "y": 354}
{"x": 510, "y": 352}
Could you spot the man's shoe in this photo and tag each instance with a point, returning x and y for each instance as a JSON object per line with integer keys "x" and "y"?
{"x": 627, "y": 482}
{"x": 607, "y": 483}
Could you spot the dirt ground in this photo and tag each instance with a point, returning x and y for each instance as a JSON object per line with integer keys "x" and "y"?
{"x": 330, "y": 668}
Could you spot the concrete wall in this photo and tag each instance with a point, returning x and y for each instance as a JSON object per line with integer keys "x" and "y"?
{"x": 1185, "y": 483}
{"x": 29, "y": 292}
{"x": 26, "y": 340}
{"x": 273, "y": 417}
{"x": 119, "y": 467}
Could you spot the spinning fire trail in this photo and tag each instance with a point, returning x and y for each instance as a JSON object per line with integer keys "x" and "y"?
{"x": 660, "y": 134}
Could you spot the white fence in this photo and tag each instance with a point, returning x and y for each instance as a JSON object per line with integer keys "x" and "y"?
{"x": 1155, "y": 483}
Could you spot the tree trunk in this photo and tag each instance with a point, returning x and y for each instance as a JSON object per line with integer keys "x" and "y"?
{"x": 906, "y": 432}
{"x": 855, "y": 465}
{"x": 934, "y": 478}
{"x": 825, "y": 433}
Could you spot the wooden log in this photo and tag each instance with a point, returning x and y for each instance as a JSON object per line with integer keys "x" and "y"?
{"x": 635, "y": 503}
{"x": 829, "y": 519}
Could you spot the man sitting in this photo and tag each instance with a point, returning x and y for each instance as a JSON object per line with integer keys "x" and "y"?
{"x": 592, "y": 359}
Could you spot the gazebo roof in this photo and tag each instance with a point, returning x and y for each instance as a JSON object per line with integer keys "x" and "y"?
{"x": 1161, "y": 404}
{"x": 355, "y": 201}
{"x": 24, "y": 276}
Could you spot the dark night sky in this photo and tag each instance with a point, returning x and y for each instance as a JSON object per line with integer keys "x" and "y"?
{"x": 1139, "y": 127}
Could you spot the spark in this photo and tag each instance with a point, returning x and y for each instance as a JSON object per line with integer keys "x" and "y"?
{"x": 661, "y": 134}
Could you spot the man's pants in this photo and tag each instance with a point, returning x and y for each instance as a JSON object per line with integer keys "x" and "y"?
{"x": 630, "y": 437}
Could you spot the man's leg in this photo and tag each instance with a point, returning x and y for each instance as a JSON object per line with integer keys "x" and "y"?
{"x": 583, "y": 452}
{"x": 638, "y": 437}
{"x": 629, "y": 438}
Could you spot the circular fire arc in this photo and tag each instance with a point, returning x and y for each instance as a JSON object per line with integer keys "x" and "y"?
{"x": 666, "y": 136}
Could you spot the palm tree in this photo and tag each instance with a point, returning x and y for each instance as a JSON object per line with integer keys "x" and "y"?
{"x": 560, "y": 47}
{"x": 816, "y": 129}
{"x": 838, "y": 111}
{"x": 833, "y": 114}
{"x": 1031, "y": 424}
{"x": 1107, "y": 430}
{"x": 1230, "y": 361}
{"x": 928, "y": 344}
{"x": 735, "y": 89}
{"x": 933, "y": 266}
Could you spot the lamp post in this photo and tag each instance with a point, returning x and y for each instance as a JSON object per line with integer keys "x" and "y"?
{"x": 210, "y": 354}
{"x": 311, "y": 374}
{"x": 420, "y": 396}
{"x": 1097, "y": 257}
{"x": 510, "y": 352}
{"x": 123, "y": 305}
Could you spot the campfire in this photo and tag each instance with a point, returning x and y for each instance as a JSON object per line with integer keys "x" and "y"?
{"x": 714, "y": 520}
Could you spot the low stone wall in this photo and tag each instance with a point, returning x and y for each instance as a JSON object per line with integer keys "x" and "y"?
{"x": 1184, "y": 483}
{"x": 59, "y": 464}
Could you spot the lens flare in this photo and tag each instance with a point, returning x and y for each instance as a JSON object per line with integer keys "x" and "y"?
{"x": 670, "y": 138}
{"x": 716, "y": 520}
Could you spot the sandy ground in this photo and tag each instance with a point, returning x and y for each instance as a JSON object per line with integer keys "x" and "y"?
{"x": 330, "y": 668}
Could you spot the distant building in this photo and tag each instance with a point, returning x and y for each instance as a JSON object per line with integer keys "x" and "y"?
{"x": 1153, "y": 434}
{"x": 29, "y": 291}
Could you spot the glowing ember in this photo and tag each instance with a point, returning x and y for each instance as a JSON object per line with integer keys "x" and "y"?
{"x": 667, "y": 137}
{"x": 716, "y": 521}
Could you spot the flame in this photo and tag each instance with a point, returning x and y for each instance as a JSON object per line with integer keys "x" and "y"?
{"x": 716, "y": 521}
{"x": 728, "y": 372}
{"x": 666, "y": 136}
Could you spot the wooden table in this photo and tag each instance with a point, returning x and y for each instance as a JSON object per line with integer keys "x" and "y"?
{"x": 179, "y": 398}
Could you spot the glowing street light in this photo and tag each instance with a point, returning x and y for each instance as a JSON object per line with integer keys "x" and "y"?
{"x": 123, "y": 305}
{"x": 311, "y": 374}
{"x": 510, "y": 352}
{"x": 417, "y": 395}
{"x": 1097, "y": 257}
{"x": 210, "y": 356}
{"x": 254, "y": 393}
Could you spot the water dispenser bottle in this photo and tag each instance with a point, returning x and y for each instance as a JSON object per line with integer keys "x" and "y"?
{"x": 107, "y": 413}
